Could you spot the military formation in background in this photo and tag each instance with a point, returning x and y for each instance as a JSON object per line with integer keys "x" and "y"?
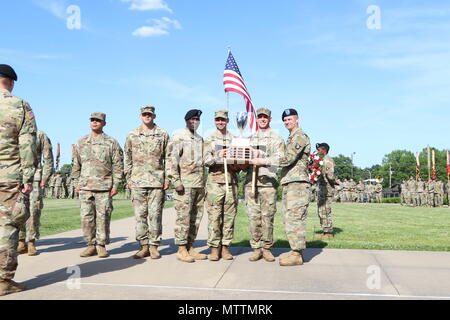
{"x": 419, "y": 193}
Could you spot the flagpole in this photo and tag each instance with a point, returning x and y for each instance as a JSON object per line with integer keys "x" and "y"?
{"x": 429, "y": 163}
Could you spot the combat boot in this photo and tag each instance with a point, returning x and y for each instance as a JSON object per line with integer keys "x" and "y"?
{"x": 10, "y": 286}
{"x": 268, "y": 256}
{"x": 257, "y": 255}
{"x": 141, "y": 254}
{"x": 226, "y": 254}
{"x": 101, "y": 252}
{"x": 295, "y": 258}
{"x": 197, "y": 256}
{"x": 32, "y": 249}
{"x": 214, "y": 256}
{"x": 154, "y": 252}
{"x": 22, "y": 247}
{"x": 183, "y": 255}
{"x": 89, "y": 252}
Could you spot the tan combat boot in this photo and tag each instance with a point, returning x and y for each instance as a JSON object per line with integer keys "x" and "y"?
{"x": 257, "y": 255}
{"x": 325, "y": 236}
{"x": 295, "y": 258}
{"x": 214, "y": 256}
{"x": 22, "y": 247}
{"x": 226, "y": 254}
{"x": 141, "y": 254}
{"x": 183, "y": 255}
{"x": 268, "y": 256}
{"x": 9, "y": 286}
{"x": 154, "y": 252}
{"x": 197, "y": 256}
{"x": 32, "y": 249}
{"x": 101, "y": 252}
{"x": 89, "y": 252}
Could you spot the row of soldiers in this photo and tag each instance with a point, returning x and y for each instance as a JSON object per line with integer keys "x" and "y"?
{"x": 60, "y": 187}
{"x": 419, "y": 193}
{"x": 349, "y": 191}
{"x": 153, "y": 161}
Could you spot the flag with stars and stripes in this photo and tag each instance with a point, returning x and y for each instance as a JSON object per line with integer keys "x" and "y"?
{"x": 234, "y": 82}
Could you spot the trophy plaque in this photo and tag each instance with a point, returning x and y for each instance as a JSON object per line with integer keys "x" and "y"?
{"x": 240, "y": 151}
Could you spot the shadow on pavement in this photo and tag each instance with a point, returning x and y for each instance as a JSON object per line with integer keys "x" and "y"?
{"x": 63, "y": 244}
{"x": 88, "y": 269}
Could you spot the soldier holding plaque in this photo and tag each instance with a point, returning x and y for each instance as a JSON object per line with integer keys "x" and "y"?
{"x": 261, "y": 186}
{"x": 221, "y": 199}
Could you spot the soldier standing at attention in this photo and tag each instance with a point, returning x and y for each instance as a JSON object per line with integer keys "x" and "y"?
{"x": 421, "y": 192}
{"x": 17, "y": 168}
{"x": 360, "y": 188}
{"x": 447, "y": 188}
{"x": 326, "y": 185}
{"x": 296, "y": 188}
{"x": 29, "y": 232}
{"x": 51, "y": 185}
{"x": 221, "y": 204}
{"x": 345, "y": 192}
{"x": 403, "y": 193}
{"x": 440, "y": 193}
{"x": 411, "y": 190}
{"x": 185, "y": 170}
{"x": 379, "y": 192}
{"x": 145, "y": 165}
{"x": 58, "y": 186}
{"x": 431, "y": 186}
{"x": 338, "y": 191}
{"x": 97, "y": 172}
{"x": 262, "y": 205}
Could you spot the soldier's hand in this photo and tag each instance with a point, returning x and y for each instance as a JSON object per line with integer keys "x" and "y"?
{"x": 43, "y": 183}
{"x": 166, "y": 186}
{"x": 77, "y": 190}
{"x": 129, "y": 186}
{"x": 27, "y": 188}
{"x": 180, "y": 190}
{"x": 114, "y": 192}
{"x": 221, "y": 153}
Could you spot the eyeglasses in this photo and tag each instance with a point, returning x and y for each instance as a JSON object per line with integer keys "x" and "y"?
{"x": 96, "y": 120}
{"x": 147, "y": 114}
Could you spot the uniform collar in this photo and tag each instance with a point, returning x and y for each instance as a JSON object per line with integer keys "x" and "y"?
{"x": 101, "y": 138}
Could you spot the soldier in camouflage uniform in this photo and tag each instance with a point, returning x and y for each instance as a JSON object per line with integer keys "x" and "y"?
{"x": 345, "y": 191}
{"x": 58, "y": 186}
{"x": 51, "y": 187}
{"x": 326, "y": 185}
{"x": 360, "y": 189}
{"x": 403, "y": 193}
{"x": 97, "y": 172}
{"x": 439, "y": 193}
{"x": 296, "y": 188}
{"x": 352, "y": 191}
{"x": 421, "y": 193}
{"x": 221, "y": 204}
{"x": 17, "y": 168}
{"x": 338, "y": 191}
{"x": 378, "y": 192}
{"x": 185, "y": 170}
{"x": 29, "y": 232}
{"x": 411, "y": 187}
{"x": 430, "y": 193}
{"x": 262, "y": 206}
{"x": 145, "y": 165}
{"x": 447, "y": 190}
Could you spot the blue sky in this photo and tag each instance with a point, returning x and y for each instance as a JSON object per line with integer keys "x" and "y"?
{"x": 362, "y": 90}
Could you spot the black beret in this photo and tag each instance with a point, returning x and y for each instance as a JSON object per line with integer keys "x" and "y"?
{"x": 323, "y": 145}
{"x": 288, "y": 113}
{"x": 8, "y": 72}
{"x": 193, "y": 113}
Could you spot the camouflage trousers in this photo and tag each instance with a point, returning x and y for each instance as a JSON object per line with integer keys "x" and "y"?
{"x": 324, "y": 210}
{"x": 95, "y": 211}
{"x": 261, "y": 214}
{"x": 378, "y": 197}
{"x": 13, "y": 214}
{"x": 295, "y": 201}
{"x": 30, "y": 230}
{"x": 59, "y": 192}
{"x": 189, "y": 207}
{"x": 402, "y": 198}
{"x": 222, "y": 209}
{"x": 148, "y": 206}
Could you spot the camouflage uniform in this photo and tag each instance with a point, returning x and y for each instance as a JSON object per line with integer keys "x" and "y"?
{"x": 326, "y": 192}
{"x": 338, "y": 191}
{"x": 97, "y": 169}
{"x": 411, "y": 187}
{"x": 360, "y": 188}
{"x": 51, "y": 187}
{"x": 378, "y": 193}
{"x": 421, "y": 193}
{"x": 439, "y": 191}
{"x": 262, "y": 206}
{"x": 30, "y": 231}
{"x": 59, "y": 188}
{"x": 431, "y": 186}
{"x": 296, "y": 188}
{"x": 345, "y": 191}
{"x": 17, "y": 159}
{"x": 220, "y": 204}
{"x": 353, "y": 195}
{"x": 184, "y": 166}
{"x": 447, "y": 189}
{"x": 403, "y": 193}
{"x": 145, "y": 152}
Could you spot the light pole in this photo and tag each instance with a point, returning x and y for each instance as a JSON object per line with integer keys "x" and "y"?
{"x": 352, "y": 162}
{"x": 390, "y": 176}
{"x": 370, "y": 174}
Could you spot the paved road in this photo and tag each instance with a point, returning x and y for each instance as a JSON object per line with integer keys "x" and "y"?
{"x": 327, "y": 273}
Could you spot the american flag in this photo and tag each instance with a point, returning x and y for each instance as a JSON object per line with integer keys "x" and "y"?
{"x": 234, "y": 82}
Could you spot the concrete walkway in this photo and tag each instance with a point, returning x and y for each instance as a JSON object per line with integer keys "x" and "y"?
{"x": 327, "y": 273}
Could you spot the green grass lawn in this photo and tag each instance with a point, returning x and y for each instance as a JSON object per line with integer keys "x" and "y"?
{"x": 357, "y": 226}
{"x": 367, "y": 226}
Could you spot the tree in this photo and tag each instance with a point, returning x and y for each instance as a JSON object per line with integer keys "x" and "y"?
{"x": 403, "y": 165}
{"x": 343, "y": 167}
{"x": 66, "y": 169}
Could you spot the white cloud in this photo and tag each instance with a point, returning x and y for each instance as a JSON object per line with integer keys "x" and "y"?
{"x": 146, "y": 5}
{"x": 161, "y": 27}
